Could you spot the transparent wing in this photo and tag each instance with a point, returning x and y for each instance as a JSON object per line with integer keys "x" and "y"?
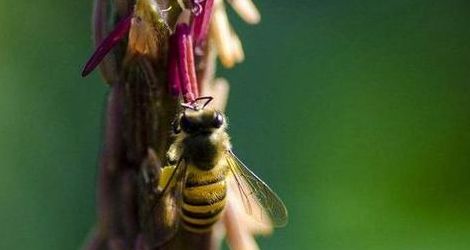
{"x": 257, "y": 197}
{"x": 165, "y": 210}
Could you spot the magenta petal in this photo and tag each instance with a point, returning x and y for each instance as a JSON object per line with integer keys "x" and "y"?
{"x": 191, "y": 65}
{"x": 201, "y": 23}
{"x": 182, "y": 32}
{"x": 120, "y": 31}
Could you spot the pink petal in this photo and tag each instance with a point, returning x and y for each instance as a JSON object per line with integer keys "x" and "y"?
{"x": 200, "y": 26}
{"x": 182, "y": 33}
{"x": 120, "y": 31}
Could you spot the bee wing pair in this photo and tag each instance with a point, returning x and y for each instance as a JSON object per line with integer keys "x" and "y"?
{"x": 259, "y": 201}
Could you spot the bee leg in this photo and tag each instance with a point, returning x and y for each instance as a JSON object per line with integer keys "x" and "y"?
{"x": 166, "y": 174}
{"x": 172, "y": 154}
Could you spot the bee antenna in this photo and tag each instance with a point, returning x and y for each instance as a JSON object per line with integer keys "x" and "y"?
{"x": 207, "y": 98}
{"x": 193, "y": 104}
{"x": 188, "y": 106}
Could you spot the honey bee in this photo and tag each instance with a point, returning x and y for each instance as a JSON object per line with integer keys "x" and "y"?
{"x": 202, "y": 163}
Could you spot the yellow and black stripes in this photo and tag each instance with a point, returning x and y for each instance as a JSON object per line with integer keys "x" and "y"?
{"x": 201, "y": 218}
{"x": 203, "y": 199}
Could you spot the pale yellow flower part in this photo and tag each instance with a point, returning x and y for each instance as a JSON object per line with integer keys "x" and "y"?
{"x": 237, "y": 49}
{"x": 247, "y": 10}
{"x": 221, "y": 33}
{"x": 228, "y": 45}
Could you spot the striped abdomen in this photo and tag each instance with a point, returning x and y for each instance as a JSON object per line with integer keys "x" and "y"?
{"x": 203, "y": 199}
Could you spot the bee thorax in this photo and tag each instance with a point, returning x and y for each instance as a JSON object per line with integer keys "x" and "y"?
{"x": 201, "y": 152}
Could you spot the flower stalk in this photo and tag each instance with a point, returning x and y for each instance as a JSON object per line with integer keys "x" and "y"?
{"x": 152, "y": 53}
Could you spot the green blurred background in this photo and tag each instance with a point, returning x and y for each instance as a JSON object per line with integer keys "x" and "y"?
{"x": 356, "y": 112}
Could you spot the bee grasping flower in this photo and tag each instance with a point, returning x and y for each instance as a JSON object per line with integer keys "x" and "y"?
{"x": 196, "y": 36}
{"x": 160, "y": 43}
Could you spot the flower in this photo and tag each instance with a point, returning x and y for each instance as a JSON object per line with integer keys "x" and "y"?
{"x": 209, "y": 27}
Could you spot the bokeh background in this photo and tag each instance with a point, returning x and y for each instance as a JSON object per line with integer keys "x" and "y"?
{"x": 356, "y": 112}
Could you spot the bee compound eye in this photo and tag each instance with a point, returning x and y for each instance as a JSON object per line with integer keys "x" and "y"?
{"x": 218, "y": 120}
{"x": 186, "y": 125}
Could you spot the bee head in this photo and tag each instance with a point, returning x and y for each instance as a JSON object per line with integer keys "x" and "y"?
{"x": 197, "y": 119}
{"x": 201, "y": 121}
